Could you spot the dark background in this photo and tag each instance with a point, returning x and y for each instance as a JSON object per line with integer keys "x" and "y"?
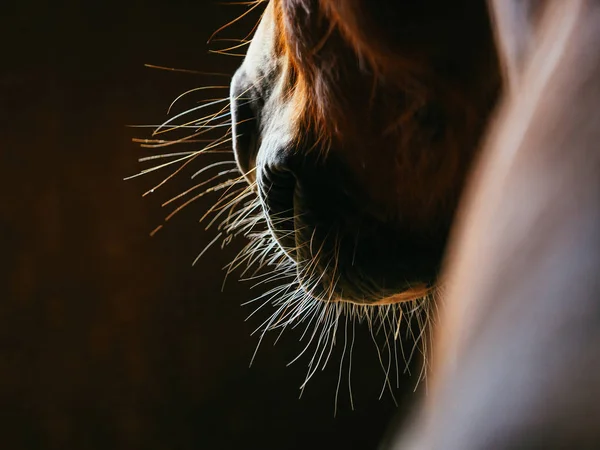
{"x": 109, "y": 338}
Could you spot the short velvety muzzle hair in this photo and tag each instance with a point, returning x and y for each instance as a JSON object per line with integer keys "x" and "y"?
{"x": 357, "y": 121}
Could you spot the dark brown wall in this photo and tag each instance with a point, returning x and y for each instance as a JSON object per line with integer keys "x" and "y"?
{"x": 110, "y": 339}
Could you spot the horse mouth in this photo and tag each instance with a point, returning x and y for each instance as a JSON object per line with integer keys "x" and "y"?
{"x": 343, "y": 256}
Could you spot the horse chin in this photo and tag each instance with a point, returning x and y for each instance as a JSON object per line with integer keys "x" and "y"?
{"x": 416, "y": 293}
{"x": 419, "y": 292}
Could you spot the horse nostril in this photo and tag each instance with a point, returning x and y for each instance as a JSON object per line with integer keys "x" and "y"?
{"x": 244, "y": 120}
